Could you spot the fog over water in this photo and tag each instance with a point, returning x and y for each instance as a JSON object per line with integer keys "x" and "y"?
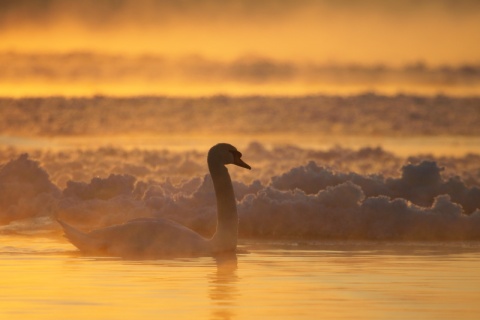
{"x": 85, "y": 73}
{"x": 108, "y": 109}
{"x": 197, "y": 48}
{"x": 99, "y": 161}
{"x": 311, "y": 116}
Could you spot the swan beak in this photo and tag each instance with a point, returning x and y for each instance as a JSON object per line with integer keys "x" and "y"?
{"x": 239, "y": 162}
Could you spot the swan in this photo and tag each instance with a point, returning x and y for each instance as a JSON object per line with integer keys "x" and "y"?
{"x": 151, "y": 238}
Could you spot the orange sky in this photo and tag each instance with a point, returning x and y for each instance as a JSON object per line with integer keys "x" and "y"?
{"x": 365, "y": 32}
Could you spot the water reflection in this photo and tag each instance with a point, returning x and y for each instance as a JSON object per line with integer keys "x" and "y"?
{"x": 280, "y": 280}
{"x": 223, "y": 289}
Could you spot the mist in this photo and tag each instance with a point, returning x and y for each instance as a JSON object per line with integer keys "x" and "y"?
{"x": 327, "y": 119}
{"x": 388, "y": 197}
{"x": 88, "y": 74}
{"x": 362, "y": 32}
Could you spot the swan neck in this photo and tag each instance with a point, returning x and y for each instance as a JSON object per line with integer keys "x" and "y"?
{"x": 225, "y": 237}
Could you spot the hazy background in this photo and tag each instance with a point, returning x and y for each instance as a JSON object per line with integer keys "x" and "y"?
{"x": 365, "y": 32}
{"x": 359, "y": 118}
{"x": 238, "y": 47}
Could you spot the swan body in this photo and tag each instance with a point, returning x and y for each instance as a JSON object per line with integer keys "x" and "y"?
{"x": 150, "y": 238}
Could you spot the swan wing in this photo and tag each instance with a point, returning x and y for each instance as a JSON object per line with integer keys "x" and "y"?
{"x": 149, "y": 238}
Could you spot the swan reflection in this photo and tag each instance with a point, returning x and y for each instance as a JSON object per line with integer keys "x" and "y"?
{"x": 223, "y": 289}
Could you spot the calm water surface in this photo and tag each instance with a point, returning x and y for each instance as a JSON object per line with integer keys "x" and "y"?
{"x": 43, "y": 278}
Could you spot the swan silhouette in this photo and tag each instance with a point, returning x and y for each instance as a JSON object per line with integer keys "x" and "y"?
{"x": 150, "y": 238}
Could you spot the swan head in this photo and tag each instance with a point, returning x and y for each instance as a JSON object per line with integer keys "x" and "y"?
{"x": 224, "y": 154}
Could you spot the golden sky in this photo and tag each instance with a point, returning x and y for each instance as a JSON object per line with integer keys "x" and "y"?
{"x": 366, "y": 32}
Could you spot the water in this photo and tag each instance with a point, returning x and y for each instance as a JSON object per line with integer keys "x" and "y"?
{"x": 44, "y": 278}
